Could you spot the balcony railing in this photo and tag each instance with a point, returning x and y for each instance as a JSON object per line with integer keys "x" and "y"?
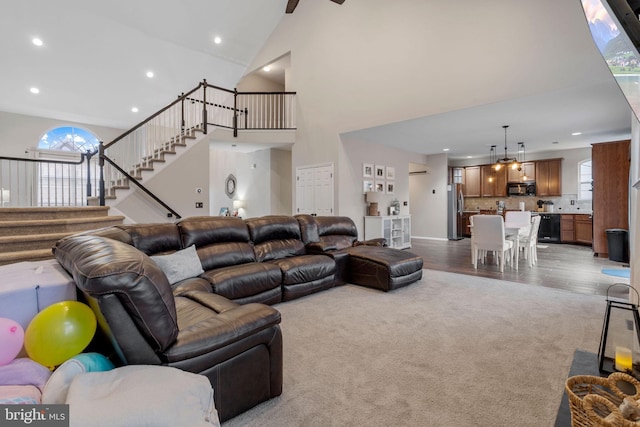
{"x": 118, "y": 164}
{"x": 41, "y": 182}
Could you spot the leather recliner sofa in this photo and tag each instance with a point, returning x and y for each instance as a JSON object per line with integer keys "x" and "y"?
{"x": 219, "y": 323}
{"x": 237, "y": 347}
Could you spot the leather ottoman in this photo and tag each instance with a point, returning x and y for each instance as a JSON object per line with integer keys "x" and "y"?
{"x": 382, "y": 267}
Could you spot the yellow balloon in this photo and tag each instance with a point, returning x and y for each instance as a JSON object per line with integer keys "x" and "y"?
{"x": 59, "y": 332}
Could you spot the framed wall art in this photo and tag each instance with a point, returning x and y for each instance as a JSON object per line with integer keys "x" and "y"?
{"x": 391, "y": 172}
{"x": 390, "y": 187}
{"x": 380, "y": 187}
{"x": 379, "y": 171}
{"x": 367, "y": 185}
{"x": 367, "y": 170}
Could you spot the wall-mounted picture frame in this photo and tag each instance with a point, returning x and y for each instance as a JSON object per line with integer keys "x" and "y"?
{"x": 224, "y": 212}
{"x": 380, "y": 187}
{"x": 367, "y": 170}
{"x": 391, "y": 172}
{"x": 379, "y": 172}
{"x": 390, "y": 187}
{"x": 367, "y": 185}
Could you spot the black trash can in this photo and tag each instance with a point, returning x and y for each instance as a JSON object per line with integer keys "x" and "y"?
{"x": 618, "y": 244}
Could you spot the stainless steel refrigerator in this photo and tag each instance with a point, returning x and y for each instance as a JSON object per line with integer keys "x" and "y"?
{"x": 455, "y": 203}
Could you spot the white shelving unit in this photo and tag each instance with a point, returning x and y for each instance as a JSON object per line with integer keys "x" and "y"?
{"x": 395, "y": 228}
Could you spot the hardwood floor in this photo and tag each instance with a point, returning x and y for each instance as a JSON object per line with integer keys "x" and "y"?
{"x": 560, "y": 266}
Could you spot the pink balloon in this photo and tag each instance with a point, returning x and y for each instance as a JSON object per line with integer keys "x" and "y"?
{"x": 11, "y": 340}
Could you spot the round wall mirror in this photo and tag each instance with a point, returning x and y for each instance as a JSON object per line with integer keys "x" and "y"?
{"x": 230, "y": 186}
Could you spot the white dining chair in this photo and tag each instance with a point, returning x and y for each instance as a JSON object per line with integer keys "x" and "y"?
{"x": 530, "y": 242}
{"x": 488, "y": 235}
{"x": 519, "y": 217}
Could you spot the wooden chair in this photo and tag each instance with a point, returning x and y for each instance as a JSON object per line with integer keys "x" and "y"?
{"x": 488, "y": 235}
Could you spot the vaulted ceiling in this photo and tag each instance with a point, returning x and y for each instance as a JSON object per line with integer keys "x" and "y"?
{"x": 95, "y": 55}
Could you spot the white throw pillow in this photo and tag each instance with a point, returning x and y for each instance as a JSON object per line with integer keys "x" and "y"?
{"x": 180, "y": 265}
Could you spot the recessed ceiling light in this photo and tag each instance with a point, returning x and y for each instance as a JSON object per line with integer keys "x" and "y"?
{"x": 469, "y": 157}
{"x": 445, "y": 149}
{"x": 576, "y": 133}
{"x": 217, "y": 40}
{"x": 149, "y": 74}
{"x": 34, "y": 90}
{"x": 134, "y": 109}
{"x": 266, "y": 68}
{"x": 37, "y": 41}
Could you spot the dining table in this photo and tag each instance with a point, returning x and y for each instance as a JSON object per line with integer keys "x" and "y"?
{"x": 514, "y": 228}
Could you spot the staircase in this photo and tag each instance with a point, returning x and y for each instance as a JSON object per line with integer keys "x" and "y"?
{"x": 28, "y": 234}
{"x": 147, "y": 164}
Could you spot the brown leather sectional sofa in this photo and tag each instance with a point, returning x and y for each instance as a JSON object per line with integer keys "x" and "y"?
{"x": 218, "y": 321}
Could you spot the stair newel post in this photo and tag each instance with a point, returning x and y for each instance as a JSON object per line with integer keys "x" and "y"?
{"x": 235, "y": 112}
{"x": 204, "y": 106}
{"x": 101, "y": 166}
{"x": 88, "y": 155}
{"x": 246, "y": 118}
{"x": 182, "y": 114}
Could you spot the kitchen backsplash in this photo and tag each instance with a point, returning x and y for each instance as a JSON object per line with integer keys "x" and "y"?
{"x": 560, "y": 204}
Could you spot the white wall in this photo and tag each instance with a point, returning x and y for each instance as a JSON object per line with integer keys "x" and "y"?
{"x": 263, "y": 181}
{"x": 358, "y": 65}
{"x": 428, "y": 194}
{"x": 19, "y": 132}
{"x": 354, "y": 153}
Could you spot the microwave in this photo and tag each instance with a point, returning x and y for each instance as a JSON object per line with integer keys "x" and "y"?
{"x": 521, "y": 189}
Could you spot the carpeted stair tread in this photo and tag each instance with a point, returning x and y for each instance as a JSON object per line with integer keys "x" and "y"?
{"x": 20, "y": 214}
{"x": 29, "y": 242}
{"x": 17, "y": 228}
{"x": 19, "y": 256}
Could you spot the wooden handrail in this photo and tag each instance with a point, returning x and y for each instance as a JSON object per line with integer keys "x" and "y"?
{"x": 153, "y": 116}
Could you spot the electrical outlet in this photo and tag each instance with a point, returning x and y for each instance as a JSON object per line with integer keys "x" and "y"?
{"x": 199, "y": 205}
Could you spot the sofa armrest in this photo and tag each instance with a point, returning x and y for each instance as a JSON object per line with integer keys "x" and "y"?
{"x": 319, "y": 247}
{"x": 381, "y": 241}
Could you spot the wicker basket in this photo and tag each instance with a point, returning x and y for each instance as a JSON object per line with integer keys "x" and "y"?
{"x": 594, "y": 401}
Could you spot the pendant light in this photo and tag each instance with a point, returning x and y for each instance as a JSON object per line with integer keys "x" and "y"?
{"x": 514, "y": 162}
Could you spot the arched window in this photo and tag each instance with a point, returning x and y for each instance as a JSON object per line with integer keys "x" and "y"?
{"x": 70, "y": 139}
{"x": 585, "y": 180}
{"x": 67, "y": 179}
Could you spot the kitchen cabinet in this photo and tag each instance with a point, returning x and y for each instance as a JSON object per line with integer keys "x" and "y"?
{"x": 396, "y": 229}
{"x": 583, "y": 226}
{"x": 463, "y": 223}
{"x": 567, "y": 230}
{"x": 576, "y": 229}
{"x": 527, "y": 172}
{"x": 549, "y": 177}
{"x": 471, "y": 184}
{"x": 493, "y": 183}
{"x": 610, "y": 171}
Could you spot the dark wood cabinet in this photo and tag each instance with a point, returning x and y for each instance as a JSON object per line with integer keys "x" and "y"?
{"x": 549, "y": 177}
{"x": 583, "y": 229}
{"x": 493, "y": 182}
{"x": 463, "y": 224}
{"x": 471, "y": 184}
{"x": 567, "y": 230}
{"x": 576, "y": 229}
{"x": 527, "y": 172}
{"x": 610, "y": 171}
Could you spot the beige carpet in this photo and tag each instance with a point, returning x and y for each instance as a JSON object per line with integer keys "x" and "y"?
{"x": 450, "y": 350}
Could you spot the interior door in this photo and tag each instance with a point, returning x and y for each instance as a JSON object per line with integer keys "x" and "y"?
{"x": 314, "y": 190}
